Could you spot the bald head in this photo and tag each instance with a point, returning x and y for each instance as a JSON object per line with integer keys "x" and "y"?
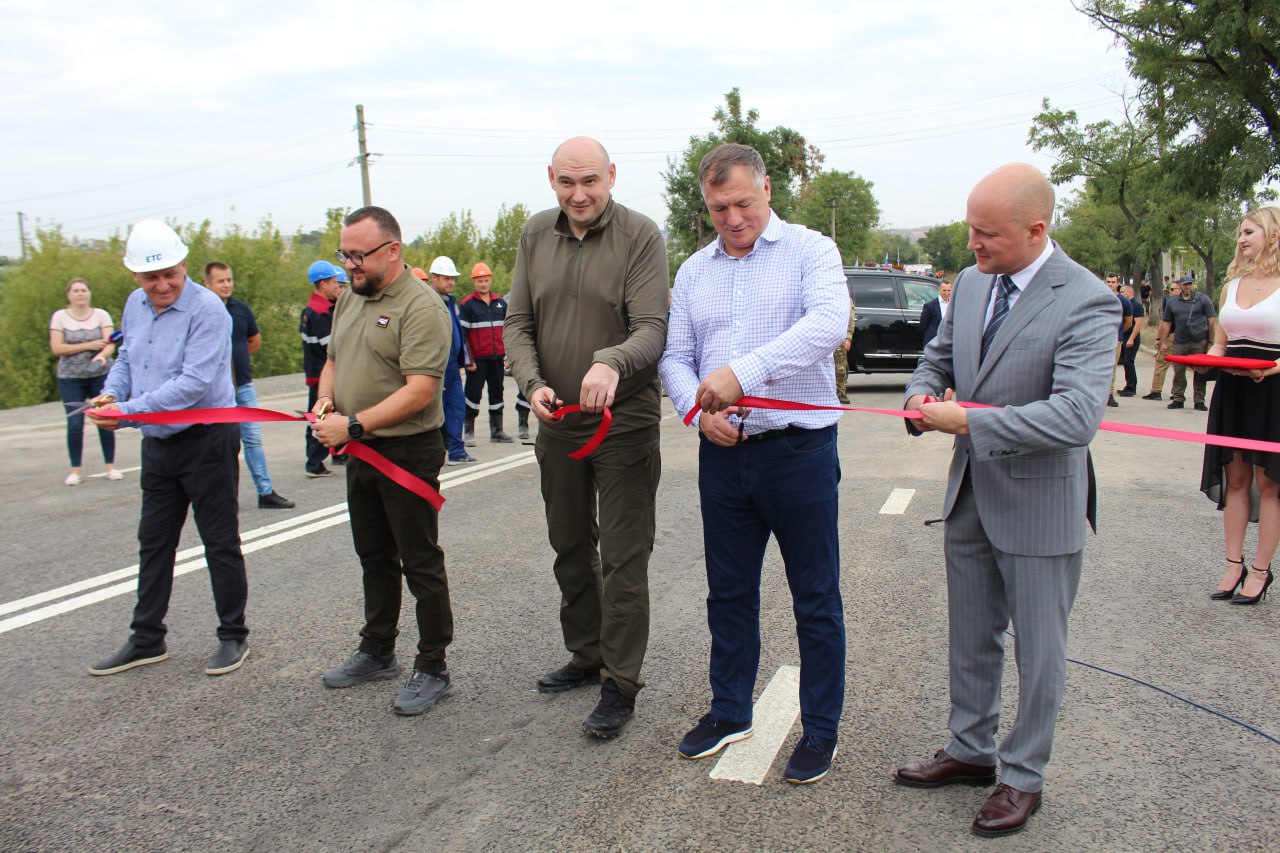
{"x": 582, "y": 177}
{"x": 1023, "y": 187}
{"x": 581, "y": 149}
{"x": 1008, "y": 214}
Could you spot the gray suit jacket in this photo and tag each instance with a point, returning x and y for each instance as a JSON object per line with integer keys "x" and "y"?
{"x": 1048, "y": 369}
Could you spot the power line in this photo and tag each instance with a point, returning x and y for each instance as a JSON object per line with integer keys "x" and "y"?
{"x": 183, "y": 171}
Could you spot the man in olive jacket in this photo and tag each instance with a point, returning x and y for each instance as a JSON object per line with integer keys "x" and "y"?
{"x": 586, "y": 324}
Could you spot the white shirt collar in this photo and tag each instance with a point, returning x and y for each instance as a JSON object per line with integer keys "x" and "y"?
{"x": 1023, "y": 277}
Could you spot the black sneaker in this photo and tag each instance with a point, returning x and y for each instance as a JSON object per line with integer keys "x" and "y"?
{"x": 129, "y": 657}
{"x": 711, "y": 735}
{"x": 1111, "y": 401}
{"x": 321, "y": 472}
{"x": 1154, "y": 395}
{"x": 523, "y": 432}
{"x": 338, "y": 460}
{"x": 274, "y": 501}
{"x": 228, "y": 657}
{"x": 567, "y": 677}
{"x": 1126, "y": 392}
{"x": 1176, "y": 404}
{"x": 362, "y": 667}
{"x": 811, "y": 760}
{"x": 1201, "y": 407}
{"x": 612, "y": 712}
{"x": 421, "y": 691}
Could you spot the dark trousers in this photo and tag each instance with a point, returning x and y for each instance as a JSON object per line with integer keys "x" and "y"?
{"x": 1201, "y": 382}
{"x": 488, "y": 372}
{"x": 396, "y": 535}
{"x": 74, "y": 393}
{"x": 455, "y": 408}
{"x": 1128, "y": 358}
{"x": 786, "y": 486}
{"x": 317, "y": 453}
{"x": 199, "y": 467}
{"x": 602, "y": 561}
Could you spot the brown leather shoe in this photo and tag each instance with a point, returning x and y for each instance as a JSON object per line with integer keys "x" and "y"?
{"x": 1005, "y": 812}
{"x": 941, "y": 770}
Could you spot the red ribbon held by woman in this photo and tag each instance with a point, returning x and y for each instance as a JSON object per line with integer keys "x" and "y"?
{"x": 1106, "y": 426}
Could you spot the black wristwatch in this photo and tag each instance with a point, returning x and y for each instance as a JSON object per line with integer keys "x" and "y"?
{"x": 355, "y": 429}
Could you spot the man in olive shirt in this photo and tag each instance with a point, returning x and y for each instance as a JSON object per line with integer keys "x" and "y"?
{"x": 387, "y": 354}
{"x": 586, "y": 322}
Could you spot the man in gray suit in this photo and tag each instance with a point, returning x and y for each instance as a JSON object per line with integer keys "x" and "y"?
{"x": 1030, "y": 333}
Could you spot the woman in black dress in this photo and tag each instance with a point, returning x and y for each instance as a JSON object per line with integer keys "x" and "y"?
{"x": 1246, "y": 404}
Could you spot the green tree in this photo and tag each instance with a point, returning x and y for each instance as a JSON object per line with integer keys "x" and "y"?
{"x": 788, "y": 159}
{"x": 898, "y": 248}
{"x": 456, "y": 237}
{"x": 1094, "y": 234}
{"x": 855, "y": 207}
{"x": 269, "y": 277}
{"x": 498, "y": 248}
{"x": 947, "y": 247}
{"x": 1211, "y": 81}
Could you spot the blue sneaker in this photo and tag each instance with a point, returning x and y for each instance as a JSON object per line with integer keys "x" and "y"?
{"x": 711, "y": 735}
{"x": 811, "y": 760}
{"x": 460, "y": 460}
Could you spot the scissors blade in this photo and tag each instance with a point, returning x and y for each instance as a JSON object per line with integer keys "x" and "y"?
{"x": 88, "y": 404}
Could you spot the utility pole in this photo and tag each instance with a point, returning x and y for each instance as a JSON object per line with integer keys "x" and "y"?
{"x": 833, "y": 220}
{"x": 22, "y": 235}
{"x": 364, "y": 155}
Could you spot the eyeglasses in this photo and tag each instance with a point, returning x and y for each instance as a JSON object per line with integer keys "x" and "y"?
{"x": 357, "y": 258}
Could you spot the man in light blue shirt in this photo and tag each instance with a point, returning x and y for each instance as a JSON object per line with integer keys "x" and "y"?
{"x": 758, "y": 312}
{"x": 177, "y": 355}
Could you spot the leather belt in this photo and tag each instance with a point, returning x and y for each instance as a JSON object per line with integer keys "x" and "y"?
{"x": 774, "y": 433}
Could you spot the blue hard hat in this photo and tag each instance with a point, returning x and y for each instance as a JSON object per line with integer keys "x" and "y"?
{"x": 321, "y": 270}
{"x": 342, "y": 274}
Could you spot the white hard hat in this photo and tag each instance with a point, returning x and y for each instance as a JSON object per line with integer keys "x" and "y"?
{"x": 443, "y": 265}
{"x": 152, "y": 246}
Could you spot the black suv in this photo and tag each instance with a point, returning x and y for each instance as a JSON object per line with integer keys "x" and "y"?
{"x": 887, "y": 303}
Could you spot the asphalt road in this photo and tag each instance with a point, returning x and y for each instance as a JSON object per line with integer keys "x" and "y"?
{"x": 267, "y": 758}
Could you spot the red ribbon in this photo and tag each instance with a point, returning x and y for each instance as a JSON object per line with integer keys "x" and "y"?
{"x": 248, "y": 414}
{"x": 1106, "y": 426}
{"x": 606, "y": 420}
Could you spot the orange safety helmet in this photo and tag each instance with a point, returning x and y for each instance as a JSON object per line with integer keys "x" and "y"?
{"x": 418, "y": 273}
{"x": 481, "y": 269}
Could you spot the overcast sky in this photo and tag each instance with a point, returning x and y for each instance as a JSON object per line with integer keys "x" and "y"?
{"x": 237, "y": 111}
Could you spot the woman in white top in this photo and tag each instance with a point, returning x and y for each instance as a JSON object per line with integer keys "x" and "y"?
{"x": 80, "y": 336}
{"x": 1246, "y": 404}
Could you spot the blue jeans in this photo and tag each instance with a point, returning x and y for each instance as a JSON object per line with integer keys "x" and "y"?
{"x": 786, "y": 486}
{"x": 455, "y": 411}
{"x": 255, "y": 459}
{"x": 74, "y": 393}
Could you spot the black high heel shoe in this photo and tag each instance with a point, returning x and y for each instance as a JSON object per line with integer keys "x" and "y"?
{"x": 1224, "y": 594}
{"x": 1254, "y": 599}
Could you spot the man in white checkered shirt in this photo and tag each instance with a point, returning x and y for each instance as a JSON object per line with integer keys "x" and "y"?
{"x": 758, "y": 312}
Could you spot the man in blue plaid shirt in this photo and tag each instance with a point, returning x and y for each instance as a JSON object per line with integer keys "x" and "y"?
{"x": 758, "y": 313}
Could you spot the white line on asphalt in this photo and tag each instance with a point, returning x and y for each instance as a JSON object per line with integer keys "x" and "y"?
{"x": 190, "y": 559}
{"x": 775, "y": 713}
{"x": 103, "y": 474}
{"x": 896, "y": 503}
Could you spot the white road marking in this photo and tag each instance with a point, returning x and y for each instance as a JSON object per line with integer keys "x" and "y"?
{"x": 776, "y": 712}
{"x": 103, "y": 474}
{"x": 189, "y": 560}
{"x": 896, "y": 503}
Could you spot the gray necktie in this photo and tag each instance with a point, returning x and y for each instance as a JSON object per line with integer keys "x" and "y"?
{"x": 1001, "y": 310}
